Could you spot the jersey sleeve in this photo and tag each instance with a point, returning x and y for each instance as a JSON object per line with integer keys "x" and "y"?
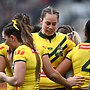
{"x": 19, "y": 55}
{"x": 70, "y": 54}
{"x": 3, "y": 49}
{"x": 43, "y": 51}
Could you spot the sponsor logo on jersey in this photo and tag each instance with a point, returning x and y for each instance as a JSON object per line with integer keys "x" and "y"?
{"x": 1, "y": 47}
{"x": 84, "y": 46}
{"x": 50, "y": 48}
{"x": 19, "y": 52}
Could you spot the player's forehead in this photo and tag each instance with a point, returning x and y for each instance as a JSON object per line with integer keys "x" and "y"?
{"x": 51, "y": 18}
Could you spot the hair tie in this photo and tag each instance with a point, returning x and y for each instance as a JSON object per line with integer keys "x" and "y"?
{"x": 15, "y": 24}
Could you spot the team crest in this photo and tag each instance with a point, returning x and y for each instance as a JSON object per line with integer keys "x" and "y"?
{"x": 59, "y": 51}
{"x": 50, "y": 48}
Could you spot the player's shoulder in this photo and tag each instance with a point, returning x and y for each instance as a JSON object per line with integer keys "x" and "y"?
{"x": 23, "y": 47}
{"x": 3, "y": 45}
{"x": 83, "y": 45}
{"x": 33, "y": 34}
{"x": 60, "y": 34}
{"x": 22, "y": 50}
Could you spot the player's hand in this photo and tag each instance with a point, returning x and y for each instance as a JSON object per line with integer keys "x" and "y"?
{"x": 76, "y": 80}
{"x": 1, "y": 77}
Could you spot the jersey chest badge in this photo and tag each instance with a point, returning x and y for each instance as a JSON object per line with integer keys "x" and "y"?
{"x": 59, "y": 51}
{"x": 50, "y": 48}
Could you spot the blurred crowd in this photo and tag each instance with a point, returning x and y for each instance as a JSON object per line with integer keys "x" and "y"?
{"x": 9, "y": 8}
{"x": 72, "y": 12}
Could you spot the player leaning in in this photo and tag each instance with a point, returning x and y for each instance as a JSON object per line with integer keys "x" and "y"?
{"x": 5, "y": 64}
{"x": 26, "y": 60}
{"x": 57, "y": 44}
{"x": 79, "y": 59}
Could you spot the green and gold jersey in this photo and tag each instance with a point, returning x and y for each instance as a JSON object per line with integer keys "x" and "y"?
{"x": 3, "y": 52}
{"x": 57, "y": 46}
{"x": 3, "y": 49}
{"x": 27, "y": 55}
{"x": 80, "y": 57}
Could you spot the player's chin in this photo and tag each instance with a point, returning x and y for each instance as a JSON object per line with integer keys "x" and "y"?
{"x": 50, "y": 33}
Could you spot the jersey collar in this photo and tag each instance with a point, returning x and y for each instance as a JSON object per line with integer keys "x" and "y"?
{"x": 45, "y": 36}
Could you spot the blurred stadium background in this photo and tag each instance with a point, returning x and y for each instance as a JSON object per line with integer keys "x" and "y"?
{"x": 72, "y": 12}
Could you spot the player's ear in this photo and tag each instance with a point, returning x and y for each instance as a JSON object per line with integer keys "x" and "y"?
{"x": 12, "y": 37}
{"x": 41, "y": 20}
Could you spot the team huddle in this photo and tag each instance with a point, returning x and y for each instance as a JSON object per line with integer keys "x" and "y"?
{"x": 43, "y": 60}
